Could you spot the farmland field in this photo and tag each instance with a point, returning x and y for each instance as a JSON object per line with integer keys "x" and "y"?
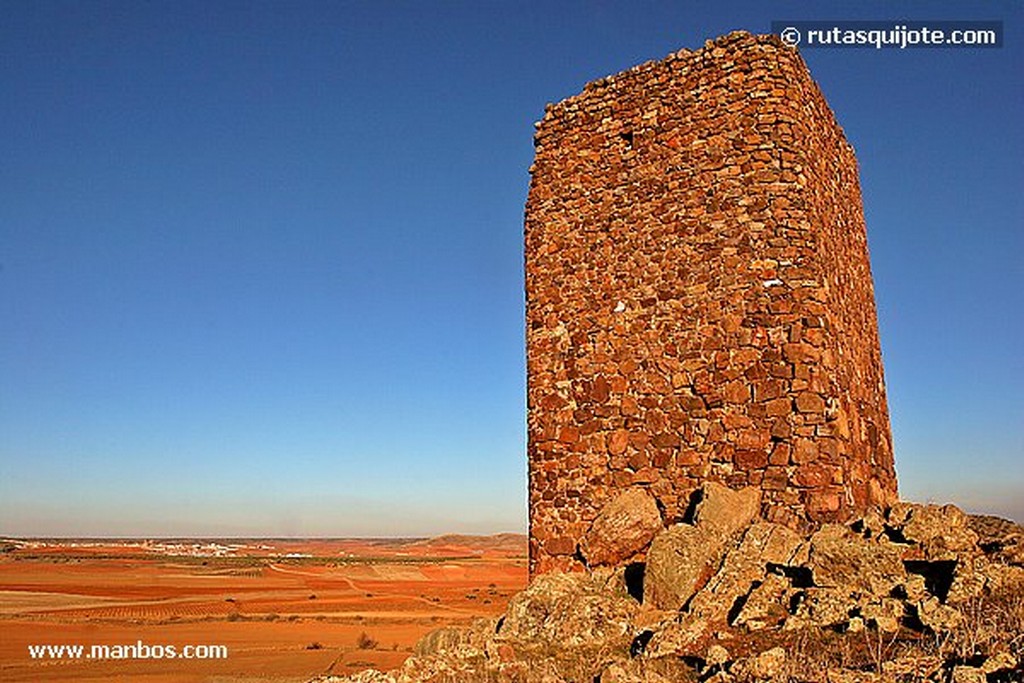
{"x": 285, "y": 610}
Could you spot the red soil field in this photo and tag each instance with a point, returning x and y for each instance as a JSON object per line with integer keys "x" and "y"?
{"x": 287, "y": 610}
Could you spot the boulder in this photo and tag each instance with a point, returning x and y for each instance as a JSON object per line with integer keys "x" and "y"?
{"x": 968, "y": 674}
{"x": 936, "y": 616}
{"x": 460, "y": 663}
{"x": 822, "y": 607}
{"x": 368, "y": 676}
{"x": 938, "y": 532}
{"x": 841, "y": 559}
{"x": 913, "y": 667}
{"x": 623, "y": 528}
{"x": 766, "y": 605}
{"x": 1001, "y": 661}
{"x": 723, "y": 511}
{"x": 447, "y": 638}
{"x": 439, "y": 639}
{"x": 849, "y": 676}
{"x": 768, "y": 664}
{"x": 884, "y": 614}
{"x": 764, "y": 544}
{"x": 968, "y": 580}
{"x": 680, "y": 561}
{"x": 716, "y": 656}
{"x": 680, "y": 638}
{"x": 999, "y": 538}
{"x": 567, "y": 611}
{"x": 630, "y": 673}
{"x": 684, "y": 557}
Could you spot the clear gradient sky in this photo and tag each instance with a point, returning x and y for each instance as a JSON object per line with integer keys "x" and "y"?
{"x": 261, "y": 262}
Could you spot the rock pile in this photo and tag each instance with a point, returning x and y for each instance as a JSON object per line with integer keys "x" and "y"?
{"x": 911, "y": 593}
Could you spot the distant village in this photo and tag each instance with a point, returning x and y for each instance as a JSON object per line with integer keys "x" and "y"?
{"x": 179, "y": 548}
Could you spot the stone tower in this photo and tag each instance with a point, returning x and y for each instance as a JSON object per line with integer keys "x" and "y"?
{"x": 699, "y": 298}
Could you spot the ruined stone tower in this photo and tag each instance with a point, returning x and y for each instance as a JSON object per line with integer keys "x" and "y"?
{"x": 699, "y": 298}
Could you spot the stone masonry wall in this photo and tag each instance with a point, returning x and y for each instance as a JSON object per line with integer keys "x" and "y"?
{"x": 699, "y": 298}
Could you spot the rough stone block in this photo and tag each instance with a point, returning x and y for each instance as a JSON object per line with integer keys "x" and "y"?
{"x": 624, "y": 527}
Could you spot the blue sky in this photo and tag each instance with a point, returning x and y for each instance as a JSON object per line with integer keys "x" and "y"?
{"x": 261, "y": 263}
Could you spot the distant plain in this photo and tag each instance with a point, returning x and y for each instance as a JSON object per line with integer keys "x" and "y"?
{"x": 287, "y": 610}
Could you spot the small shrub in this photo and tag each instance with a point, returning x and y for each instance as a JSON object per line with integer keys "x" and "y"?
{"x": 988, "y": 622}
{"x": 365, "y": 642}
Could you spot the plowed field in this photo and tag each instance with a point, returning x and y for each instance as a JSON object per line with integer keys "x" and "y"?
{"x": 341, "y": 607}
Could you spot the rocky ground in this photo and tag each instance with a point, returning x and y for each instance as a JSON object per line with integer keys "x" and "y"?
{"x": 914, "y": 593}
